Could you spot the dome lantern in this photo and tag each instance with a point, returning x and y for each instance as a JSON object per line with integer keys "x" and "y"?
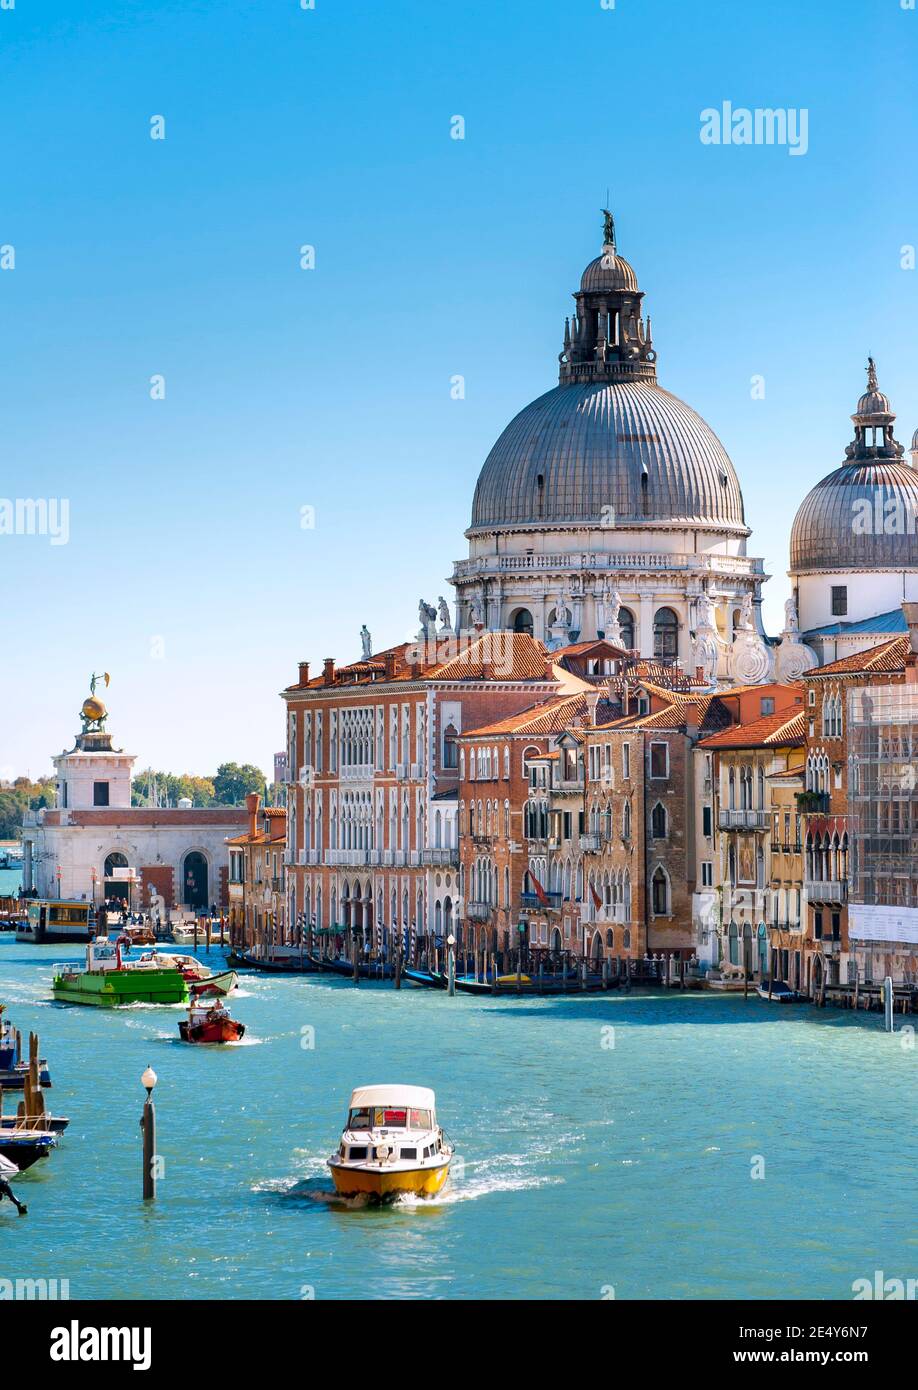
{"x": 606, "y": 339}
{"x": 873, "y": 423}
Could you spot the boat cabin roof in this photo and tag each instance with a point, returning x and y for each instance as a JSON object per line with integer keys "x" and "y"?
{"x": 418, "y": 1097}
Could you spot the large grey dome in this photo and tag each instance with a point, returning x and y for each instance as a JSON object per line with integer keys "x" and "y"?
{"x": 858, "y": 517}
{"x": 863, "y": 515}
{"x": 629, "y": 446}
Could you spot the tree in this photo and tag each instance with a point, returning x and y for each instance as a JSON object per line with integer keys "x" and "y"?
{"x": 233, "y": 783}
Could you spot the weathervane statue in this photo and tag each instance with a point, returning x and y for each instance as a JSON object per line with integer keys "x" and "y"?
{"x": 94, "y": 714}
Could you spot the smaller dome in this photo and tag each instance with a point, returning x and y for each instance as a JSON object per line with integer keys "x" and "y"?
{"x": 608, "y": 272}
{"x": 873, "y": 403}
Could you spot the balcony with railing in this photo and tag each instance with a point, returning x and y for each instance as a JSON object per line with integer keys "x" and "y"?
{"x": 817, "y": 803}
{"x": 550, "y": 902}
{"x": 340, "y": 858}
{"x": 478, "y": 912}
{"x": 591, "y": 842}
{"x": 826, "y": 890}
{"x": 729, "y": 818}
{"x": 440, "y": 858}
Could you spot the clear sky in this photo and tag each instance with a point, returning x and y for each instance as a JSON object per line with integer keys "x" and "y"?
{"x": 188, "y": 574}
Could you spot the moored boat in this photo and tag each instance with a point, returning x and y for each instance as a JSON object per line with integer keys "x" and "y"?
{"x": 25, "y": 1146}
{"x": 429, "y": 979}
{"x": 366, "y": 970}
{"x": 208, "y": 1019}
{"x": 781, "y": 993}
{"x": 391, "y": 1144}
{"x": 13, "y": 1068}
{"x": 107, "y": 982}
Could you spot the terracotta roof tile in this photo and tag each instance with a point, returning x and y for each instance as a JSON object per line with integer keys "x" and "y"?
{"x": 784, "y": 729}
{"x": 548, "y": 717}
{"x": 887, "y": 657}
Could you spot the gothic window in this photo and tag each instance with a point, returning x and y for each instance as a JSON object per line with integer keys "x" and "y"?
{"x": 660, "y": 892}
{"x": 658, "y": 821}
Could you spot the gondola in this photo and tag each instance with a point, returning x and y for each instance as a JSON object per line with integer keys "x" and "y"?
{"x": 366, "y": 970}
{"x": 429, "y": 979}
{"x": 289, "y": 965}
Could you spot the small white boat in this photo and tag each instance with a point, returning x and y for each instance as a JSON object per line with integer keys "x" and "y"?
{"x": 184, "y": 935}
{"x": 391, "y": 1144}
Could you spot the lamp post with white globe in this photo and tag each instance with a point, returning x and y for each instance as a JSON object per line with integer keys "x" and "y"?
{"x": 148, "y": 1126}
{"x": 451, "y": 965}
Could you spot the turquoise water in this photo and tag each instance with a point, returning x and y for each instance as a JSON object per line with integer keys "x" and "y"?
{"x": 10, "y": 879}
{"x": 585, "y": 1166}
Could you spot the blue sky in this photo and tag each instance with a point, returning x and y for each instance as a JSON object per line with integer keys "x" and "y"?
{"x": 188, "y": 574}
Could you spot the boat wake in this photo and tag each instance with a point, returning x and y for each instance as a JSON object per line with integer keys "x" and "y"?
{"x": 500, "y": 1174}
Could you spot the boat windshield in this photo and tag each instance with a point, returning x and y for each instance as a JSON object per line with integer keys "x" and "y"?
{"x": 380, "y": 1117}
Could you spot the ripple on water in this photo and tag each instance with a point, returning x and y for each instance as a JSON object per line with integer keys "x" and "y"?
{"x": 577, "y": 1166}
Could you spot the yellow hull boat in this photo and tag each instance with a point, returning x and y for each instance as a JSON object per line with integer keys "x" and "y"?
{"x": 391, "y": 1145}
{"x": 425, "y": 1182}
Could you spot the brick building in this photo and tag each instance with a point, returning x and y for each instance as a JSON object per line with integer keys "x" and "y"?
{"x": 256, "y": 886}
{"x": 374, "y": 759}
{"x": 759, "y": 879}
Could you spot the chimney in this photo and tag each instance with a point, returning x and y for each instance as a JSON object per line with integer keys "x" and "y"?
{"x": 487, "y": 670}
{"x": 911, "y": 661}
{"x": 592, "y": 701}
{"x": 911, "y": 617}
{"x": 691, "y": 721}
{"x": 304, "y": 673}
{"x": 549, "y": 667}
{"x": 390, "y": 665}
{"x": 252, "y": 804}
{"x": 328, "y": 670}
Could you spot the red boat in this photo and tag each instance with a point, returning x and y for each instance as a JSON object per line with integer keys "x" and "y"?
{"x": 209, "y": 1021}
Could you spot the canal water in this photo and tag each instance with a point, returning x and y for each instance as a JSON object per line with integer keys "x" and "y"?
{"x": 606, "y": 1142}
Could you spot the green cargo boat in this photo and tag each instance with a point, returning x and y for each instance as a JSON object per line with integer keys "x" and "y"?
{"x": 108, "y": 983}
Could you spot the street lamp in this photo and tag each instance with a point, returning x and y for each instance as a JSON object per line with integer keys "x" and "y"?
{"x": 451, "y": 964}
{"x": 148, "y": 1127}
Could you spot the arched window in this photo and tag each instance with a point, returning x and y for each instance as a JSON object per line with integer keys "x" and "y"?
{"x": 626, "y": 821}
{"x": 522, "y": 621}
{"x": 665, "y": 635}
{"x": 626, "y": 625}
{"x": 660, "y": 892}
{"x": 450, "y": 750}
{"x": 658, "y": 821}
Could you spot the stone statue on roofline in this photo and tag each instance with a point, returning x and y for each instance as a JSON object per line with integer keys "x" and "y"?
{"x": 752, "y": 661}
{"x": 793, "y": 657}
{"x": 366, "y": 642}
{"x": 446, "y": 625}
{"x": 427, "y": 616}
{"x": 706, "y": 647}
